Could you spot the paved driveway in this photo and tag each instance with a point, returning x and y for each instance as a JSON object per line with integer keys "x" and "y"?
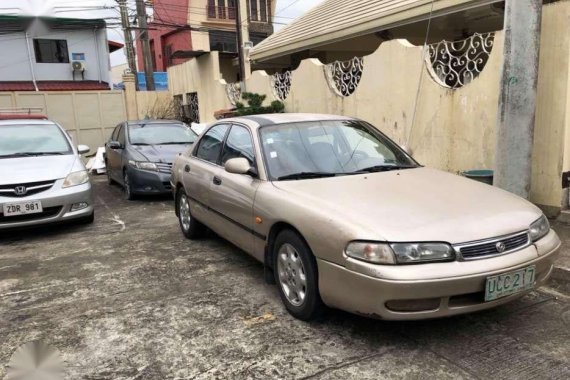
{"x": 130, "y": 298}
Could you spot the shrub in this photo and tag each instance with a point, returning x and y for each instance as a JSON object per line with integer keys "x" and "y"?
{"x": 255, "y": 105}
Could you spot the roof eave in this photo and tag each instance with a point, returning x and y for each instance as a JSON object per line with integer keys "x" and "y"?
{"x": 409, "y": 16}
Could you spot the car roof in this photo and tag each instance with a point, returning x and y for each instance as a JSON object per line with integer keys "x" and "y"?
{"x": 258, "y": 121}
{"x": 26, "y": 122}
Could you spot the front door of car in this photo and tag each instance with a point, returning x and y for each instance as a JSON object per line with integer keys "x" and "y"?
{"x": 200, "y": 170}
{"x": 114, "y": 155}
{"x": 232, "y": 195}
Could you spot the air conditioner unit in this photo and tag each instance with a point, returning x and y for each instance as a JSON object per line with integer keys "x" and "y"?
{"x": 78, "y": 65}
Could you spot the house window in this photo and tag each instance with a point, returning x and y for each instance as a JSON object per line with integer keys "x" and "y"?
{"x": 51, "y": 51}
{"x": 223, "y": 41}
{"x": 263, "y": 10}
{"x": 254, "y": 10}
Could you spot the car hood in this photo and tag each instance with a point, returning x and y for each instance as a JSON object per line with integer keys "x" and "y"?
{"x": 415, "y": 205}
{"x": 161, "y": 153}
{"x": 35, "y": 169}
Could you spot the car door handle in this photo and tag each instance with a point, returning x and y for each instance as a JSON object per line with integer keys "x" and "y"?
{"x": 217, "y": 181}
{"x": 187, "y": 169}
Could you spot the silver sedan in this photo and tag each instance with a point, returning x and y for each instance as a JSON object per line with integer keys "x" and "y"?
{"x": 43, "y": 179}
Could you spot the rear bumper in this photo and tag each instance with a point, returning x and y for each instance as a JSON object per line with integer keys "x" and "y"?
{"x": 56, "y": 203}
{"x": 368, "y": 295}
{"x": 148, "y": 182}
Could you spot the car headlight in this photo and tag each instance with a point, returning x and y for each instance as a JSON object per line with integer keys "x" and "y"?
{"x": 539, "y": 229}
{"x": 376, "y": 253}
{"x": 409, "y": 253}
{"x": 76, "y": 179}
{"x": 144, "y": 165}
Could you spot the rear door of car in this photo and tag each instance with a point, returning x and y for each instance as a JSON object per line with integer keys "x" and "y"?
{"x": 232, "y": 195}
{"x": 200, "y": 170}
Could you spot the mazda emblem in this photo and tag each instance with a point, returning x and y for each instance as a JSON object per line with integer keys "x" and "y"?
{"x": 20, "y": 190}
{"x": 500, "y": 246}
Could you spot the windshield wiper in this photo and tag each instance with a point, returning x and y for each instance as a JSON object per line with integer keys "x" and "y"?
{"x": 140, "y": 144}
{"x": 176, "y": 143}
{"x": 385, "y": 168}
{"x": 306, "y": 175}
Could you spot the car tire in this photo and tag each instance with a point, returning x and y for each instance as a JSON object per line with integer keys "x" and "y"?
{"x": 107, "y": 172}
{"x": 127, "y": 187}
{"x": 295, "y": 270}
{"x": 190, "y": 226}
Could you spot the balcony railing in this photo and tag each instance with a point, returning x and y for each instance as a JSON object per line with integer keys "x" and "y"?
{"x": 220, "y": 13}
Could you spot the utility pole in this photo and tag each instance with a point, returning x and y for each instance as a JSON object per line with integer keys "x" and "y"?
{"x": 128, "y": 37}
{"x": 143, "y": 35}
{"x": 517, "y": 100}
{"x": 242, "y": 29}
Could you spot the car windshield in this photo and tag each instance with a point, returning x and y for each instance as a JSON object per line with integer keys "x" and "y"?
{"x": 329, "y": 148}
{"x": 32, "y": 140}
{"x": 161, "y": 134}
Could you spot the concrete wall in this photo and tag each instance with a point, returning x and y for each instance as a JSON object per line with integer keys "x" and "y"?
{"x": 15, "y": 62}
{"x": 454, "y": 130}
{"x": 201, "y": 75}
{"x": 89, "y": 116}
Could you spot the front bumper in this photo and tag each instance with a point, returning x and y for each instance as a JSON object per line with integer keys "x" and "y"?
{"x": 149, "y": 182}
{"x": 56, "y": 203}
{"x": 455, "y": 287}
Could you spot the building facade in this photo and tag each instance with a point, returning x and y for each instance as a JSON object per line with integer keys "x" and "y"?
{"x": 54, "y": 54}
{"x": 184, "y": 29}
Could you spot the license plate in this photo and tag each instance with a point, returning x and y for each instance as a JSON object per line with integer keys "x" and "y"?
{"x": 509, "y": 283}
{"x": 23, "y": 208}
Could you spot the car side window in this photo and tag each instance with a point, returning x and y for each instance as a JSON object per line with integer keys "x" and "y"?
{"x": 238, "y": 145}
{"x": 121, "y": 136}
{"x": 210, "y": 145}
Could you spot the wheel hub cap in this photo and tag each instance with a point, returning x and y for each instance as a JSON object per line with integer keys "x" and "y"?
{"x": 184, "y": 211}
{"x": 292, "y": 277}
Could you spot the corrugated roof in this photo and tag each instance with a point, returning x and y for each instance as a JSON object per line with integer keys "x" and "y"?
{"x": 337, "y": 20}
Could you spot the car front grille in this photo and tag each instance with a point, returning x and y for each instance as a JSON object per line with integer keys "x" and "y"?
{"x": 29, "y": 188}
{"x": 164, "y": 167}
{"x": 494, "y": 247}
{"x": 48, "y": 212}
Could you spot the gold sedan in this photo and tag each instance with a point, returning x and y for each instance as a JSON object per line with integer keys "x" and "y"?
{"x": 341, "y": 216}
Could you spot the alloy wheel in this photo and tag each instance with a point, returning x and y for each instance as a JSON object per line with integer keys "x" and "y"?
{"x": 292, "y": 276}
{"x": 127, "y": 186}
{"x": 184, "y": 212}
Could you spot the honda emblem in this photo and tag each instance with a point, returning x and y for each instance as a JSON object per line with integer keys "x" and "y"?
{"x": 20, "y": 190}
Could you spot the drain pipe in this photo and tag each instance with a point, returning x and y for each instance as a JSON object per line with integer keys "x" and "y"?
{"x": 30, "y": 61}
{"x": 97, "y": 54}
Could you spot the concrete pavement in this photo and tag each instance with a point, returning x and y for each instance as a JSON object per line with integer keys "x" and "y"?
{"x": 130, "y": 298}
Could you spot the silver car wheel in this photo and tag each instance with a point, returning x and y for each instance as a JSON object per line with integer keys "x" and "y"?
{"x": 292, "y": 277}
{"x": 184, "y": 212}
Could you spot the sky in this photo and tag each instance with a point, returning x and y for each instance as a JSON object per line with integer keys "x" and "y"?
{"x": 287, "y": 11}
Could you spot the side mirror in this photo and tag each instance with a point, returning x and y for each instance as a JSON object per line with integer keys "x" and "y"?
{"x": 115, "y": 145}
{"x": 82, "y": 149}
{"x": 240, "y": 166}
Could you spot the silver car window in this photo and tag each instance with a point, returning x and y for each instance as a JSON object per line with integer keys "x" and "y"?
{"x": 329, "y": 147}
{"x": 238, "y": 145}
{"x": 210, "y": 145}
{"x": 38, "y": 139}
